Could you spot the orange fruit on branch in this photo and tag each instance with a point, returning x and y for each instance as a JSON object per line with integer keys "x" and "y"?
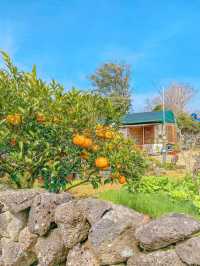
{"x": 122, "y": 179}
{"x": 78, "y": 140}
{"x": 87, "y": 143}
{"x": 14, "y": 119}
{"x": 109, "y": 135}
{"x": 13, "y": 142}
{"x": 102, "y": 163}
{"x": 40, "y": 118}
{"x": 100, "y": 131}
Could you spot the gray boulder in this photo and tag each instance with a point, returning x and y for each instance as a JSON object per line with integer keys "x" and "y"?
{"x": 43, "y": 209}
{"x": 14, "y": 255}
{"x": 27, "y": 240}
{"x": 5, "y": 219}
{"x": 12, "y": 224}
{"x": 50, "y": 250}
{"x": 166, "y": 230}
{"x": 72, "y": 223}
{"x": 94, "y": 209}
{"x": 157, "y": 258}
{"x": 81, "y": 256}
{"x": 18, "y": 200}
{"x": 189, "y": 251}
{"x": 112, "y": 237}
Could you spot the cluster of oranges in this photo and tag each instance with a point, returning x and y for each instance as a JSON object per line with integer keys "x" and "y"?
{"x": 104, "y": 132}
{"x": 102, "y": 163}
{"x": 87, "y": 143}
{"x": 121, "y": 178}
{"x": 15, "y": 119}
{"x": 40, "y": 118}
{"x": 82, "y": 141}
{"x": 13, "y": 142}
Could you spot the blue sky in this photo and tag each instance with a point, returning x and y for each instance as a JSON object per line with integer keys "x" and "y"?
{"x": 68, "y": 40}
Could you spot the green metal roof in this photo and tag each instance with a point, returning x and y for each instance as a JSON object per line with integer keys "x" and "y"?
{"x": 148, "y": 117}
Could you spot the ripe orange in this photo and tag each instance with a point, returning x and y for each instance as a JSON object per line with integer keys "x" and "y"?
{"x": 109, "y": 135}
{"x": 87, "y": 143}
{"x": 14, "y": 119}
{"x": 100, "y": 131}
{"x": 13, "y": 142}
{"x": 122, "y": 179}
{"x": 40, "y": 118}
{"x": 78, "y": 140}
{"x": 102, "y": 163}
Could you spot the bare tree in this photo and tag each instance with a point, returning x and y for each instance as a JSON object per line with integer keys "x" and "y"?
{"x": 177, "y": 96}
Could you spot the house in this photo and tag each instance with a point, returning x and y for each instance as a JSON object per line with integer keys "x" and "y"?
{"x": 151, "y": 129}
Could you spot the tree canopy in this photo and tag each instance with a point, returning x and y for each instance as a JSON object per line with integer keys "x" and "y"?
{"x": 113, "y": 81}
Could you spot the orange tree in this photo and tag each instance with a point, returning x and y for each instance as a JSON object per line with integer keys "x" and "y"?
{"x": 47, "y": 135}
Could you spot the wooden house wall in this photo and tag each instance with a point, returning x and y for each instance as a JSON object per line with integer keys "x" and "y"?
{"x": 142, "y": 135}
{"x": 171, "y": 133}
{"x": 151, "y": 134}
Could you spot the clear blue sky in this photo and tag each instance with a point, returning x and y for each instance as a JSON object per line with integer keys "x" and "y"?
{"x": 67, "y": 40}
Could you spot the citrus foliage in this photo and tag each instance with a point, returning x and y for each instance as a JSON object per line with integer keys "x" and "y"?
{"x": 47, "y": 135}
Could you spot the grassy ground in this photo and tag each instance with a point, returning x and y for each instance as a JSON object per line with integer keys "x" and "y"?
{"x": 154, "y": 205}
{"x": 86, "y": 190}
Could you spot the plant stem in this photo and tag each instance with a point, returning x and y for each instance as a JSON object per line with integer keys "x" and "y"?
{"x": 78, "y": 184}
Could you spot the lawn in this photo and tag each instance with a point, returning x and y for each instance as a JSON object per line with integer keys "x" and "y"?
{"x": 155, "y": 204}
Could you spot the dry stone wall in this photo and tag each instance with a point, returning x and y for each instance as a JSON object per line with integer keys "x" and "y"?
{"x": 47, "y": 229}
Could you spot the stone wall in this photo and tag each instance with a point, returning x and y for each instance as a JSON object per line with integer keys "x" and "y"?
{"x": 47, "y": 229}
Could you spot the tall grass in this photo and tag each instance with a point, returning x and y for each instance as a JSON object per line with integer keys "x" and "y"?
{"x": 154, "y": 205}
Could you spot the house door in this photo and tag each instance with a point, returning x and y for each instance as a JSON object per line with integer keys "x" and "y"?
{"x": 149, "y": 134}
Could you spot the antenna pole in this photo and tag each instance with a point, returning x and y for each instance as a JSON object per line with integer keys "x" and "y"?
{"x": 164, "y": 148}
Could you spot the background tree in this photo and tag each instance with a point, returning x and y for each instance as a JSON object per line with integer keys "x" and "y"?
{"x": 177, "y": 96}
{"x": 189, "y": 129}
{"x": 113, "y": 81}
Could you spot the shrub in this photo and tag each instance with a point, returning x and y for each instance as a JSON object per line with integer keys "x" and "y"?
{"x": 47, "y": 135}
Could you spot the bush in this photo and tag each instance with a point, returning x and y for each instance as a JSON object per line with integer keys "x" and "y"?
{"x": 47, "y": 135}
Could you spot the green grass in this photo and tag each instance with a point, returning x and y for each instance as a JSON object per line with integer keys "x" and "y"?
{"x": 154, "y": 205}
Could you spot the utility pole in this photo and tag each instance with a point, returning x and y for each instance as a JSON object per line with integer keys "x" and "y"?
{"x": 164, "y": 147}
